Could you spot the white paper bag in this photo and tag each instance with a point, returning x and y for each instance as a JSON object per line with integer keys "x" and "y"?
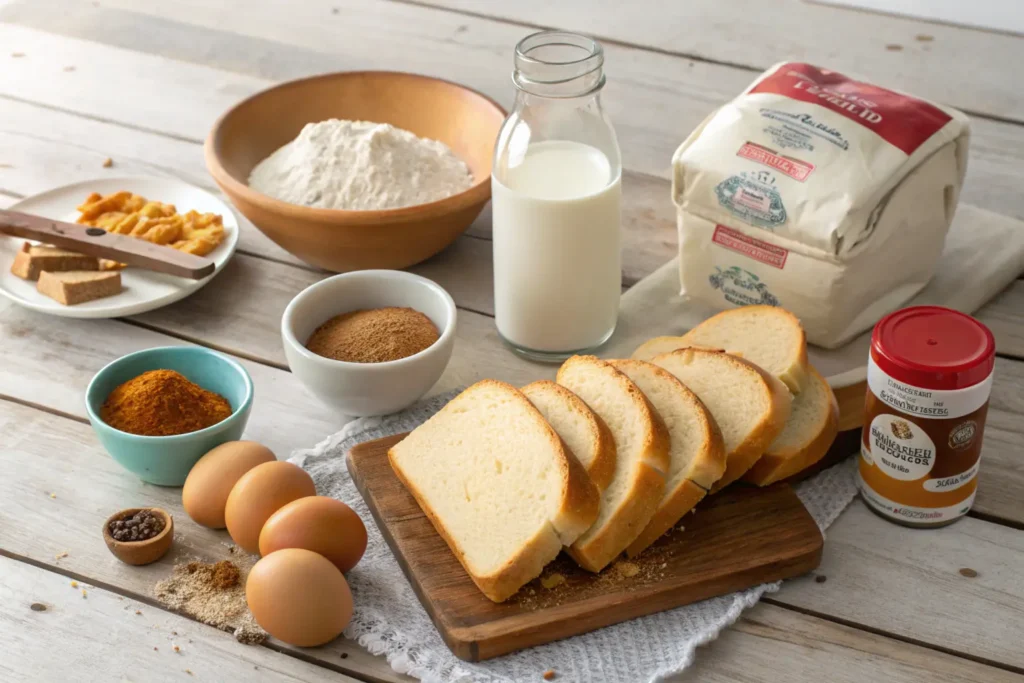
{"x": 824, "y": 195}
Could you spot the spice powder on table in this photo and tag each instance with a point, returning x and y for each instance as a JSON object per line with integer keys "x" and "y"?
{"x": 213, "y": 593}
{"x": 163, "y": 403}
{"x": 374, "y": 335}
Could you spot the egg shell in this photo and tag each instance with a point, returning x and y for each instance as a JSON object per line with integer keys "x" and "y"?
{"x": 299, "y": 596}
{"x": 323, "y": 525}
{"x": 211, "y": 479}
{"x": 259, "y": 493}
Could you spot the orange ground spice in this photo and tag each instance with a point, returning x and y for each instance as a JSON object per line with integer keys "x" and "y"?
{"x": 163, "y": 403}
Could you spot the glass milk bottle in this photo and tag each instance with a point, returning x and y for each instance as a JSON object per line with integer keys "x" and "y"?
{"x": 556, "y": 191}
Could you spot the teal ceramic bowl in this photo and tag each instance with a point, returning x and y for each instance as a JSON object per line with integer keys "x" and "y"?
{"x": 166, "y": 460}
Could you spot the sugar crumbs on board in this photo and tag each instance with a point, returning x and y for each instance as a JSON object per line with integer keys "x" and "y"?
{"x": 213, "y": 593}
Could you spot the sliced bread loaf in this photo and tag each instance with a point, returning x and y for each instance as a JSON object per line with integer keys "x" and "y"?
{"x": 810, "y": 431}
{"x": 696, "y": 448}
{"x": 498, "y": 484}
{"x": 768, "y": 336}
{"x": 586, "y": 435}
{"x": 641, "y": 463}
{"x": 750, "y": 406}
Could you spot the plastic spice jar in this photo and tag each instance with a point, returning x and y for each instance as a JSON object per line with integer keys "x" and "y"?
{"x": 929, "y": 379}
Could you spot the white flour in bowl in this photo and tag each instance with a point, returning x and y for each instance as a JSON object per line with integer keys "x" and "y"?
{"x": 360, "y": 166}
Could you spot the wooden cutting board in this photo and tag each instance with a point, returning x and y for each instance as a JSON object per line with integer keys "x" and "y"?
{"x": 736, "y": 539}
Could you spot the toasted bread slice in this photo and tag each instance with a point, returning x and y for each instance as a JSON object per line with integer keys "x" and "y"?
{"x": 641, "y": 463}
{"x": 31, "y": 260}
{"x": 498, "y": 484}
{"x": 767, "y": 336}
{"x": 586, "y": 435}
{"x": 750, "y": 406}
{"x": 78, "y": 286}
{"x": 809, "y": 433}
{"x": 696, "y": 447}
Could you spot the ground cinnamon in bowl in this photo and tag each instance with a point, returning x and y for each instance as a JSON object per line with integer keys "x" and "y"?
{"x": 163, "y": 403}
{"x": 374, "y": 335}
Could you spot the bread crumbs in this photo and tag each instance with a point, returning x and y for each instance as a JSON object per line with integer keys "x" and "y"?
{"x": 549, "y": 675}
{"x": 108, "y": 162}
{"x": 552, "y": 580}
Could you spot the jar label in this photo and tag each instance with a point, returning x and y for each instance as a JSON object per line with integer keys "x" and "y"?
{"x": 952, "y": 483}
{"x": 914, "y": 514}
{"x": 933, "y": 404}
{"x": 901, "y": 448}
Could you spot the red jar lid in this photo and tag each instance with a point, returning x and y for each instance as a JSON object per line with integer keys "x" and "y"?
{"x": 933, "y": 348}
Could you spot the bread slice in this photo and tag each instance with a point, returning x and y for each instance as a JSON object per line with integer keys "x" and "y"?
{"x": 750, "y": 406}
{"x": 768, "y": 336}
{"x": 809, "y": 433}
{"x": 78, "y": 286}
{"x": 498, "y": 484}
{"x": 696, "y": 448}
{"x": 31, "y": 260}
{"x": 586, "y": 435}
{"x": 641, "y": 462}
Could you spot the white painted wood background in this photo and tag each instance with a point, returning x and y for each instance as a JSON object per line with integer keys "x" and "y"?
{"x": 142, "y": 82}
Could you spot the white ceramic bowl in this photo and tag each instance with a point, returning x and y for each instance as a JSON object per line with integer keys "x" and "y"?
{"x": 363, "y": 389}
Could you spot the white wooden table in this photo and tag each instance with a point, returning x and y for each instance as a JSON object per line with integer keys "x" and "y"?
{"x": 142, "y": 82}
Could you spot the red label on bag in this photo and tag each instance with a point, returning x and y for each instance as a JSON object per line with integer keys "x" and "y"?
{"x": 902, "y": 121}
{"x": 748, "y": 246}
{"x": 794, "y": 168}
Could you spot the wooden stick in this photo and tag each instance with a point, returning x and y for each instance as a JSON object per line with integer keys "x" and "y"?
{"x": 102, "y": 244}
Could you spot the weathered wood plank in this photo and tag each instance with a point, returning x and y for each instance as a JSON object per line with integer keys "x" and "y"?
{"x": 57, "y": 455}
{"x": 912, "y": 577}
{"x": 781, "y": 645}
{"x": 72, "y": 148}
{"x": 653, "y": 114}
{"x": 51, "y": 632}
{"x": 941, "y": 62}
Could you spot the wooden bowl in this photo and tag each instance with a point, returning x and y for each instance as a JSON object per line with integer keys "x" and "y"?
{"x": 140, "y": 552}
{"x": 463, "y": 119}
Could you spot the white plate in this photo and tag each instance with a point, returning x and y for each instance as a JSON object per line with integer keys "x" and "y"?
{"x": 144, "y": 290}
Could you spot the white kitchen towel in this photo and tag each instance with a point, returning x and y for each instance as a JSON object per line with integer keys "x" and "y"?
{"x": 984, "y": 253}
{"x": 390, "y": 621}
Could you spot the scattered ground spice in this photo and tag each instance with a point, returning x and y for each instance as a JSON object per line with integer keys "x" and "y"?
{"x": 549, "y": 675}
{"x": 820, "y": 578}
{"x": 893, "y": 47}
{"x": 37, "y": 607}
{"x": 344, "y": 655}
{"x": 213, "y": 593}
{"x": 924, "y": 38}
{"x": 61, "y": 556}
{"x": 176, "y": 648}
{"x": 969, "y": 573}
{"x": 188, "y": 671}
{"x": 374, "y": 335}
{"x": 108, "y": 162}
{"x": 156, "y": 649}
{"x": 53, "y": 495}
{"x": 626, "y": 569}
{"x": 74, "y": 584}
{"x": 138, "y": 611}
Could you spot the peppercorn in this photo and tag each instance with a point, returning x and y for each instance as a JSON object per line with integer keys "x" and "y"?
{"x": 141, "y": 526}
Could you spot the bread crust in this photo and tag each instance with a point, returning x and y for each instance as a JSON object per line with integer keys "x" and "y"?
{"x": 705, "y": 469}
{"x": 602, "y": 466}
{"x": 743, "y": 457}
{"x": 683, "y": 500}
{"x": 794, "y": 378}
{"x": 638, "y": 506}
{"x": 776, "y": 465}
{"x": 579, "y": 509}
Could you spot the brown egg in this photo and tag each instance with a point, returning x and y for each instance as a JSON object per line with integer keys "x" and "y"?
{"x": 299, "y": 597}
{"x": 210, "y": 480}
{"x": 261, "y": 492}
{"x": 323, "y": 525}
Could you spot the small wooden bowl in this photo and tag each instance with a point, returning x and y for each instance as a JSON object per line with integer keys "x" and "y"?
{"x": 140, "y": 552}
{"x": 465, "y": 120}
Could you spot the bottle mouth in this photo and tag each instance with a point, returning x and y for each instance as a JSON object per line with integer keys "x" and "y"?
{"x": 559, "y": 64}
